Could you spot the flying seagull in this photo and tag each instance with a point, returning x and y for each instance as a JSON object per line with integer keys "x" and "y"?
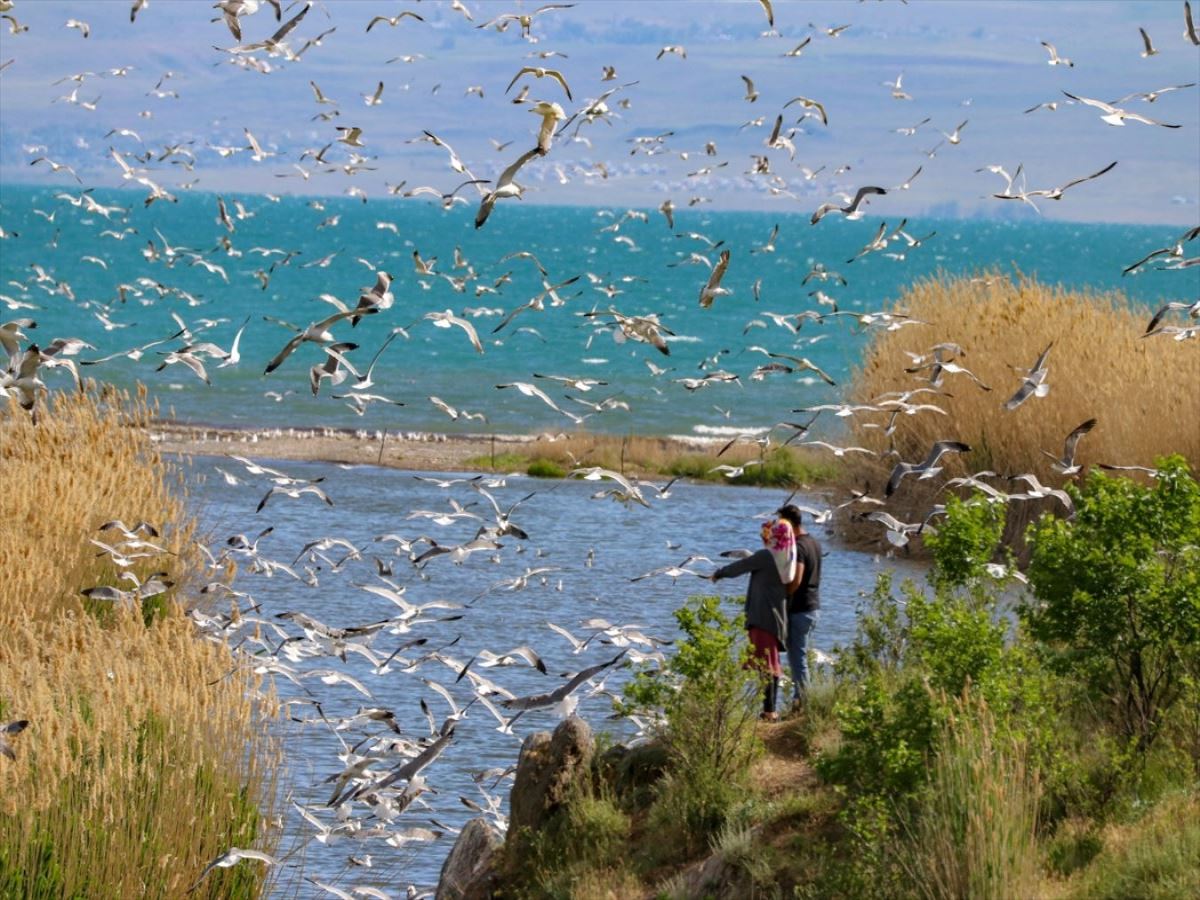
{"x": 853, "y": 210}
{"x": 1066, "y": 465}
{"x": 1034, "y": 383}
{"x": 539, "y": 72}
{"x": 505, "y": 188}
{"x": 928, "y": 468}
{"x": 712, "y": 289}
{"x": 1116, "y": 116}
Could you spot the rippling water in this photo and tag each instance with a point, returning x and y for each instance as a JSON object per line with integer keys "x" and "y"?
{"x": 563, "y": 524}
{"x": 556, "y": 340}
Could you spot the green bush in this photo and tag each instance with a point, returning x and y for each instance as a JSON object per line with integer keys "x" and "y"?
{"x": 965, "y": 541}
{"x": 908, "y": 654}
{"x": 545, "y": 468}
{"x": 706, "y": 702}
{"x": 1117, "y": 590}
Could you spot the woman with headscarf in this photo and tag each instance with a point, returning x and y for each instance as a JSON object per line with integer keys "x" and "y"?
{"x": 771, "y": 569}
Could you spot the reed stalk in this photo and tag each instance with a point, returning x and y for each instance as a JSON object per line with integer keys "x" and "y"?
{"x": 146, "y": 754}
{"x": 1141, "y": 390}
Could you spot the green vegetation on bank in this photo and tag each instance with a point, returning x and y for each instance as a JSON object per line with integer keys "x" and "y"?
{"x": 786, "y": 467}
{"x": 964, "y": 743}
{"x": 145, "y": 757}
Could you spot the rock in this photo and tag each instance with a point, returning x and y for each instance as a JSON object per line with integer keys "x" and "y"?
{"x": 547, "y": 766}
{"x": 468, "y": 872}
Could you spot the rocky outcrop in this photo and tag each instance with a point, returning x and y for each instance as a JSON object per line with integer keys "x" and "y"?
{"x": 547, "y": 766}
{"x": 469, "y": 871}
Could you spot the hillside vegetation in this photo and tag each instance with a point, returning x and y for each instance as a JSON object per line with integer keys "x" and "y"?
{"x": 958, "y": 747}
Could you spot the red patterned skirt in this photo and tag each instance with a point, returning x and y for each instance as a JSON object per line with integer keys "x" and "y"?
{"x": 764, "y": 649}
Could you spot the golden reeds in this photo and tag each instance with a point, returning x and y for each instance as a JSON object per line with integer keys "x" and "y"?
{"x": 141, "y": 762}
{"x": 1141, "y": 391}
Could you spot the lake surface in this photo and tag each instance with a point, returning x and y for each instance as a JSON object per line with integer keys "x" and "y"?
{"x": 564, "y": 524}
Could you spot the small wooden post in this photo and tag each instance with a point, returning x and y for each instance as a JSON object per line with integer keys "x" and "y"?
{"x": 382, "y": 441}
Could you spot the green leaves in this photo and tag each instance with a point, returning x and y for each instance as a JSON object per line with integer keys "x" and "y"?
{"x": 1118, "y": 593}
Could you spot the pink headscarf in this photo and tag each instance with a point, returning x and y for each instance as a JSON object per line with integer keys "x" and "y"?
{"x": 781, "y": 541}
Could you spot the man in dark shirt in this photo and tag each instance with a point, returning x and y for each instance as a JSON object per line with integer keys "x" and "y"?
{"x": 804, "y": 601}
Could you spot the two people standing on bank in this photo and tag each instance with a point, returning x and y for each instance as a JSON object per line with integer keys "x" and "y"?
{"x": 782, "y": 602}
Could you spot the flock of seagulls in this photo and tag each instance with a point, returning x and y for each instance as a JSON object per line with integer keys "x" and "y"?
{"x": 383, "y": 786}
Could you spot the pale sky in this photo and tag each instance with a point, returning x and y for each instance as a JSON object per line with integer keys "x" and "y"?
{"x": 978, "y": 62}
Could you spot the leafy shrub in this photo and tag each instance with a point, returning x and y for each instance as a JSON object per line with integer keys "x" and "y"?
{"x": 545, "y": 468}
{"x": 906, "y": 655}
{"x": 1118, "y": 595}
{"x": 965, "y": 541}
{"x": 707, "y": 703}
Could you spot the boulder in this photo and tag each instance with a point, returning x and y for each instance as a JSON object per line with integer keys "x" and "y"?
{"x": 469, "y": 872}
{"x": 546, "y": 767}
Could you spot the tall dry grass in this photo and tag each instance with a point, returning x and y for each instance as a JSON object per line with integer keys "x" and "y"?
{"x": 1141, "y": 391}
{"x": 975, "y": 831}
{"x": 140, "y": 763}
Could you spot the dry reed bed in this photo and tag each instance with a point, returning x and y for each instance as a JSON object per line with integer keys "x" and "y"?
{"x": 140, "y": 763}
{"x": 1141, "y": 391}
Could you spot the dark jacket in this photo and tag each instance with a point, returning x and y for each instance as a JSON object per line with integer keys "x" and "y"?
{"x": 766, "y": 595}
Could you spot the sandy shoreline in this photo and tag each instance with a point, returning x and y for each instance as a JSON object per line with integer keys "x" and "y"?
{"x": 421, "y": 450}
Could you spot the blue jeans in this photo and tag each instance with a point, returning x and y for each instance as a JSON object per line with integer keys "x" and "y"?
{"x": 800, "y": 626}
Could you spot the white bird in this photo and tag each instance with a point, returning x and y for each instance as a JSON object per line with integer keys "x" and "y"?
{"x": 232, "y": 857}
{"x": 712, "y": 288}
{"x": 751, "y": 93}
{"x": 1149, "y": 51}
{"x": 447, "y": 319}
{"x": 350, "y": 135}
{"x": 1035, "y": 490}
{"x": 897, "y": 532}
{"x": 83, "y": 27}
{"x": 505, "y": 187}
{"x": 561, "y": 693}
{"x": 1034, "y": 384}
{"x": 293, "y": 491}
{"x": 1055, "y": 59}
{"x": 375, "y": 99}
{"x": 1066, "y": 465}
{"x": 853, "y": 210}
{"x": 393, "y": 21}
{"x": 629, "y": 491}
{"x": 955, "y": 136}
{"x": 1116, "y": 116}
{"x": 321, "y": 98}
{"x": 551, "y": 114}
{"x": 540, "y": 72}
{"x": 531, "y": 390}
{"x": 927, "y": 468}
